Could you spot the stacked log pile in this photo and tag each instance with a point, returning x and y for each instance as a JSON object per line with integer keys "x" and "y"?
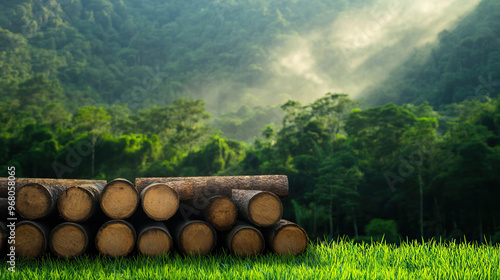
{"x": 152, "y": 216}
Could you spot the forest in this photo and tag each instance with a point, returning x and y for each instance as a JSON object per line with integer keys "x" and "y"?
{"x": 105, "y": 89}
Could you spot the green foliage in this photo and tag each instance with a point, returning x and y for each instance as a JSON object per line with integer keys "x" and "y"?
{"x": 379, "y": 228}
{"x": 462, "y": 65}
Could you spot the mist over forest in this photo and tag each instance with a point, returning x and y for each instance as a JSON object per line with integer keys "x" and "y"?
{"x": 374, "y": 109}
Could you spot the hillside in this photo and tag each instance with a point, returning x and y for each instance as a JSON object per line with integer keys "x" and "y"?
{"x": 463, "y": 64}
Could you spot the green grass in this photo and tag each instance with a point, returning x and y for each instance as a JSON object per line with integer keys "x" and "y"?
{"x": 336, "y": 260}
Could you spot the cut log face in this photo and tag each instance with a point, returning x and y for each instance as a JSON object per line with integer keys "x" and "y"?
{"x": 221, "y": 212}
{"x": 196, "y": 237}
{"x": 68, "y": 240}
{"x": 188, "y": 187}
{"x": 159, "y": 201}
{"x": 77, "y": 204}
{"x": 116, "y": 238}
{"x": 119, "y": 199}
{"x": 154, "y": 241}
{"x": 245, "y": 240}
{"x": 35, "y": 201}
{"x": 258, "y": 207}
{"x": 31, "y": 239}
{"x": 20, "y": 182}
{"x": 287, "y": 238}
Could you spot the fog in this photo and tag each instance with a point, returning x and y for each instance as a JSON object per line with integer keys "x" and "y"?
{"x": 356, "y": 50}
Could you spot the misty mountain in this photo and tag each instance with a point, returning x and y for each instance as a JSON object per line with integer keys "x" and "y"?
{"x": 462, "y": 65}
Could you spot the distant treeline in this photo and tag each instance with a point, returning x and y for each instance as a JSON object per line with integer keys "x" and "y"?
{"x": 398, "y": 170}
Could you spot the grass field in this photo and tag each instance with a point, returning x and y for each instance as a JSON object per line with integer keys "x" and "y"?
{"x": 336, "y": 260}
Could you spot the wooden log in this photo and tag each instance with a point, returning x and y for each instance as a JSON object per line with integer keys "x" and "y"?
{"x": 69, "y": 240}
{"x": 119, "y": 199}
{"x": 244, "y": 240}
{"x": 159, "y": 201}
{"x": 20, "y": 182}
{"x": 34, "y": 200}
{"x": 78, "y": 203}
{"x": 194, "y": 187}
{"x": 220, "y": 212}
{"x": 154, "y": 239}
{"x": 261, "y": 208}
{"x": 31, "y": 239}
{"x": 195, "y": 237}
{"x": 3, "y": 235}
{"x": 37, "y": 198}
{"x": 116, "y": 238}
{"x": 286, "y": 238}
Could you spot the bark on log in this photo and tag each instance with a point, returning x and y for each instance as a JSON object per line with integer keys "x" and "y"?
{"x": 43, "y": 181}
{"x": 3, "y": 235}
{"x": 69, "y": 240}
{"x": 244, "y": 240}
{"x": 260, "y": 208}
{"x": 116, "y": 238}
{"x": 154, "y": 239}
{"x": 159, "y": 201}
{"x": 220, "y": 212}
{"x": 195, "y": 237}
{"x": 32, "y": 239}
{"x": 286, "y": 238}
{"x": 78, "y": 203}
{"x": 119, "y": 199}
{"x": 196, "y": 187}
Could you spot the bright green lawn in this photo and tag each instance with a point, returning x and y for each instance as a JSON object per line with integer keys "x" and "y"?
{"x": 338, "y": 260}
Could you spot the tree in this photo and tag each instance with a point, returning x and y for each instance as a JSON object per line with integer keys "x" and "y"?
{"x": 95, "y": 121}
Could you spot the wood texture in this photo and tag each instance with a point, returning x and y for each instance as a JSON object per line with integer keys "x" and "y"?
{"x": 78, "y": 203}
{"x": 205, "y": 187}
{"x": 119, "y": 199}
{"x": 220, "y": 212}
{"x": 154, "y": 239}
{"x": 260, "y": 208}
{"x": 43, "y": 181}
{"x": 116, "y": 238}
{"x": 32, "y": 239}
{"x": 35, "y": 201}
{"x": 69, "y": 240}
{"x": 286, "y": 238}
{"x": 244, "y": 240}
{"x": 194, "y": 237}
{"x": 159, "y": 201}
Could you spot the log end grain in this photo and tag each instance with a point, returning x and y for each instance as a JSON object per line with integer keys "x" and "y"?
{"x": 159, "y": 201}
{"x": 33, "y": 201}
{"x": 247, "y": 242}
{"x": 115, "y": 238}
{"x": 119, "y": 199}
{"x": 154, "y": 242}
{"x": 265, "y": 209}
{"x": 31, "y": 240}
{"x": 197, "y": 237}
{"x": 288, "y": 238}
{"x": 68, "y": 240}
{"x": 76, "y": 204}
{"x": 221, "y": 212}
